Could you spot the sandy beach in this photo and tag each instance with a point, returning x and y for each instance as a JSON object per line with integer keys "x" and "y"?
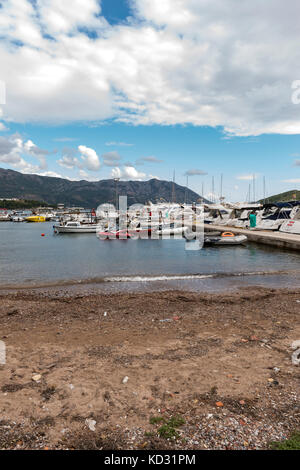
{"x": 165, "y": 370}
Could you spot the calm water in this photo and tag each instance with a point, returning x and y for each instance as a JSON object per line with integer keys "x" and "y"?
{"x": 28, "y": 258}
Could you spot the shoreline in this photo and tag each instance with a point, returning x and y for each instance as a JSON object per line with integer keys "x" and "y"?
{"x": 220, "y": 362}
{"x": 193, "y": 282}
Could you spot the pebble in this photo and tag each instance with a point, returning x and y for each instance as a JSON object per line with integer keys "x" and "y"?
{"x": 91, "y": 423}
{"x": 36, "y": 377}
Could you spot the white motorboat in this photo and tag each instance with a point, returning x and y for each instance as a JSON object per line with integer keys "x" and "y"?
{"x": 171, "y": 230}
{"x": 218, "y": 214}
{"x": 75, "y": 227}
{"x": 239, "y": 216}
{"x": 273, "y": 216}
{"x": 293, "y": 224}
{"x": 4, "y": 215}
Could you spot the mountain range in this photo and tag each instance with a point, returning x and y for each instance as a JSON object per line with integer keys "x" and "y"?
{"x": 293, "y": 195}
{"x": 89, "y": 194}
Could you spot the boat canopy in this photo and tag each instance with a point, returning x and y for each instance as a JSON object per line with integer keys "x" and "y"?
{"x": 281, "y": 205}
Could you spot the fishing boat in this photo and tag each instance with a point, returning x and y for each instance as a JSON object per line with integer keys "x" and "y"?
{"x": 75, "y": 227}
{"x": 224, "y": 239}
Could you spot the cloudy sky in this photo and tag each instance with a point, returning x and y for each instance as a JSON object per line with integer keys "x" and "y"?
{"x": 93, "y": 89}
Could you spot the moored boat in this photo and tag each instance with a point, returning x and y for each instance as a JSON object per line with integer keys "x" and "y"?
{"x": 75, "y": 227}
{"x": 225, "y": 239}
{"x": 36, "y": 218}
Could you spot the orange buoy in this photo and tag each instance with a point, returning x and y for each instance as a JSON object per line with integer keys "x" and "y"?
{"x": 227, "y": 234}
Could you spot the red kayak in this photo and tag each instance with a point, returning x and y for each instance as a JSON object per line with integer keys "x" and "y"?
{"x": 120, "y": 234}
{"x": 124, "y": 234}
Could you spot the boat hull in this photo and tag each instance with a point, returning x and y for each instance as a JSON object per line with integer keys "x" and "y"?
{"x": 63, "y": 229}
{"x": 290, "y": 226}
{"x": 225, "y": 241}
{"x": 35, "y": 219}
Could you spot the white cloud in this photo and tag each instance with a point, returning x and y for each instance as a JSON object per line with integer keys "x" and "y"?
{"x": 118, "y": 144}
{"x": 111, "y": 158}
{"x": 140, "y": 72}
{"x": 90, "y": 158}
{"x": 247, "y": 177}
{"x": 69, "y": 161}
{"x": 127, "y": 173}
{"x": 64, "y": 139}
{"x": 52, "y": 174}
{"x": 3, "y": 127}
{"x": 195, "y": 172}
{"x": 293, "y": 180}
{"x": 150, "y": 159}
{"x": 13, "y": 150}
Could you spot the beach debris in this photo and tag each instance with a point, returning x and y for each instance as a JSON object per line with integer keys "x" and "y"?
{"x": 71, "y": 386}
{"x": 91, "y": 424}
{"x": 125, "y": 380}
{"x": 276, "y": 369}
{"x": 36, "y": 377}
{"x": 105, "y": 314}
{"x": 166, "y": 320}
{"x": 219, "y": 404}
{"x": 295, "y": 344}
{"x": 13, "y": 312}
{"x": 296, "y": 358}
{"x": 242, "y": 402}
{"x": 296, "y": 354}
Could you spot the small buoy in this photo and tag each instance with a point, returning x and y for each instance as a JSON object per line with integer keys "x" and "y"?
{"x": 42, "y": 235}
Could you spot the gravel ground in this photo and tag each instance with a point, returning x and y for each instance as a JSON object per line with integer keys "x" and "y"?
{"x": 164, "y": 370}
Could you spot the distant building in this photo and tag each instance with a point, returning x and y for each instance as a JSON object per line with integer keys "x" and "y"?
{"x": 9, "y": 199}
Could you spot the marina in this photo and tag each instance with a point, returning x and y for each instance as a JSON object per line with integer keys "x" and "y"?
{"x": 72, "y": 258}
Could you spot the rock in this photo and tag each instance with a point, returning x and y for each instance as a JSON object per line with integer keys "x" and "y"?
{"x": 295, "y": 344}
{"x": 36, "y": 377}
{"x": 91, "y": 424}
{"x": 296, "y": 357}
{"x": 13, "y": 312}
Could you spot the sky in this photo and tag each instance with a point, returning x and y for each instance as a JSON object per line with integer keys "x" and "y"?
{"x": 140, "y": 89}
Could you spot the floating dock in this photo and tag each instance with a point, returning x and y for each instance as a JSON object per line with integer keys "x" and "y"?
{"x": 279, "y": 239}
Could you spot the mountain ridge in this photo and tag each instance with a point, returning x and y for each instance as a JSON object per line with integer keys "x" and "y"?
{"x": 286, "y": 196}
{"x": 54, "y": 190}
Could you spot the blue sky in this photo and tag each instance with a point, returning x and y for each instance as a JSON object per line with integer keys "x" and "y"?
{"x": 138, "y": 89}
{"x": 115, "y": 11}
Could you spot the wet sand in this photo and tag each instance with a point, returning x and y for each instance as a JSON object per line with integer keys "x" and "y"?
{"x": 125, "y": 364}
